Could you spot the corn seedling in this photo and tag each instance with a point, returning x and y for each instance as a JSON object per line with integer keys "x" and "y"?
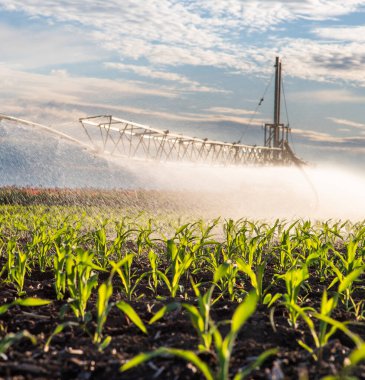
{"x": 18, "y": 271}
{"x": 124, "y": 270}
{"x": 225, "y": 278}
{"x": 222, "y": 347}
{"x": 180, "y": 262}
{"x": 103, "y": 307}
{"x": 323, "y": 335}
{"x": 200, "y": 317}
{"x": 59, "y": 328}
{"x": 294, "y": 280}
{"x": 346, "y": 283}
{"x": 59, "y": 265}
{"x": 81, "y": 280}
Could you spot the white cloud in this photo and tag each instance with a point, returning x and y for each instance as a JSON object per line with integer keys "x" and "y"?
{"x": 230, "y": 111}
{"x": 29, "y": 95}
{"x": 327, "y": 96}
{"x": 148, "y": 72}
{"x": 326, "y": 138}
{"x": 269, "y": 13}
{"x": 29, "y": 47}
{"x": 60, "y": 97}
{"x": 169, "y": 33}
{"x": 348, "y": 123}
{"x": 344, "y": 33}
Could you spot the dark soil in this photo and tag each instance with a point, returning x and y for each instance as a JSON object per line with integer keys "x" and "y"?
{"x": 72, "y": 355}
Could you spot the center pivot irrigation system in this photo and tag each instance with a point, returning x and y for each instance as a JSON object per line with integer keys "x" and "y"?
{"x": 123, "y": 138}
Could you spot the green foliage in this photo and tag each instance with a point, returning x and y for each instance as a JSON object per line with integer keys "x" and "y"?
{"x": 132, "y": 315}
{"x": 103, "y": 307}
{"x": 294, "y": 280}
{"x": 81, "y": 280}
{"x": 223, "y": 347}
{"x": 235, "y": 260}
{"x": 27, "y": 302}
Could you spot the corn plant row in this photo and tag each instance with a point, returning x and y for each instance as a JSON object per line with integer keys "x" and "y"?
{"x": 190, "y": 268}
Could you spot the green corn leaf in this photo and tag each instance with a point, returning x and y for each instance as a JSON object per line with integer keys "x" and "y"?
{"x": 189, "y": 356}
{"x": 270, "y": 300}
{"x": 59, "y": 328}
{"x": 256, "y": 363}
{"x": 357, "y": 355}
{"x": 306, "y": 347}
{"x": 172, "y": 249}
{"x": 221, "y": 272}
{"x": 104, "y": 293}
{"x": 195, "y": 316}
{"x": 132, "y": 315}
{"x": 164, "y": 279}
{"x": 349, "y": 279}
{"x": 139, "y": 359}
{"x": 165, "y": 309}
{"x": 105, "y": 343}
{"x": 340, "y": 326}
{"x": 244, "y": 311}
{"x": 32, "y": 302}
{"x": 182, "y": 228}
{"x": 5, "y": 308}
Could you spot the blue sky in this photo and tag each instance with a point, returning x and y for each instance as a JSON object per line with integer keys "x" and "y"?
{"x": 197, "y": 67}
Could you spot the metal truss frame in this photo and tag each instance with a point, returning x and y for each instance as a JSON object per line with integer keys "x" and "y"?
{"x": 124, "y": 138}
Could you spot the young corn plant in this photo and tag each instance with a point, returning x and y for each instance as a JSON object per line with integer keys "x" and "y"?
{"x": 144, "y": 237}
{"x": 124, "y": 270}
{"x": 153, "y": 274}
{"x": 100, "y": 240}
{"x": 346, "y": 284}
{"x": 11, "y": 247}
{"x": 81, "y": 280}
{"x": 225, "y": 278}
{"x": 256, "y": 278}
{"x": 222, "y": 347}
{"x": 41, "y": 243}
{"x": 180, "y": 262}
{"x": 326, "y": 327}
{"x": 59, "y": 266}
{"x": 287, "y": 248}
{"x": 103, "y": 307}
{"x": 124, "y": 231}
{"x": 294, "y": 280}
{"x": 18, "y": 271}
{"x": 200, "y": 317}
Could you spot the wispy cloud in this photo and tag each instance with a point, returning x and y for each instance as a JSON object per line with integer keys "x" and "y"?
{"x": 29, "y": 47}
{"x": 31, "y": 95}
{"x": 327, "y": 96}
{"x": 64, "y": 97}
{"x": 230, "y": 111}
{"x": 148, "y": 72}
{"x": 348, "y": 123}
{"x": 329, "y": 139}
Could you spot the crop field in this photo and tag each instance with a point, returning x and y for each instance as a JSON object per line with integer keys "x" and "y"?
{"x": 93, "y": 288}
